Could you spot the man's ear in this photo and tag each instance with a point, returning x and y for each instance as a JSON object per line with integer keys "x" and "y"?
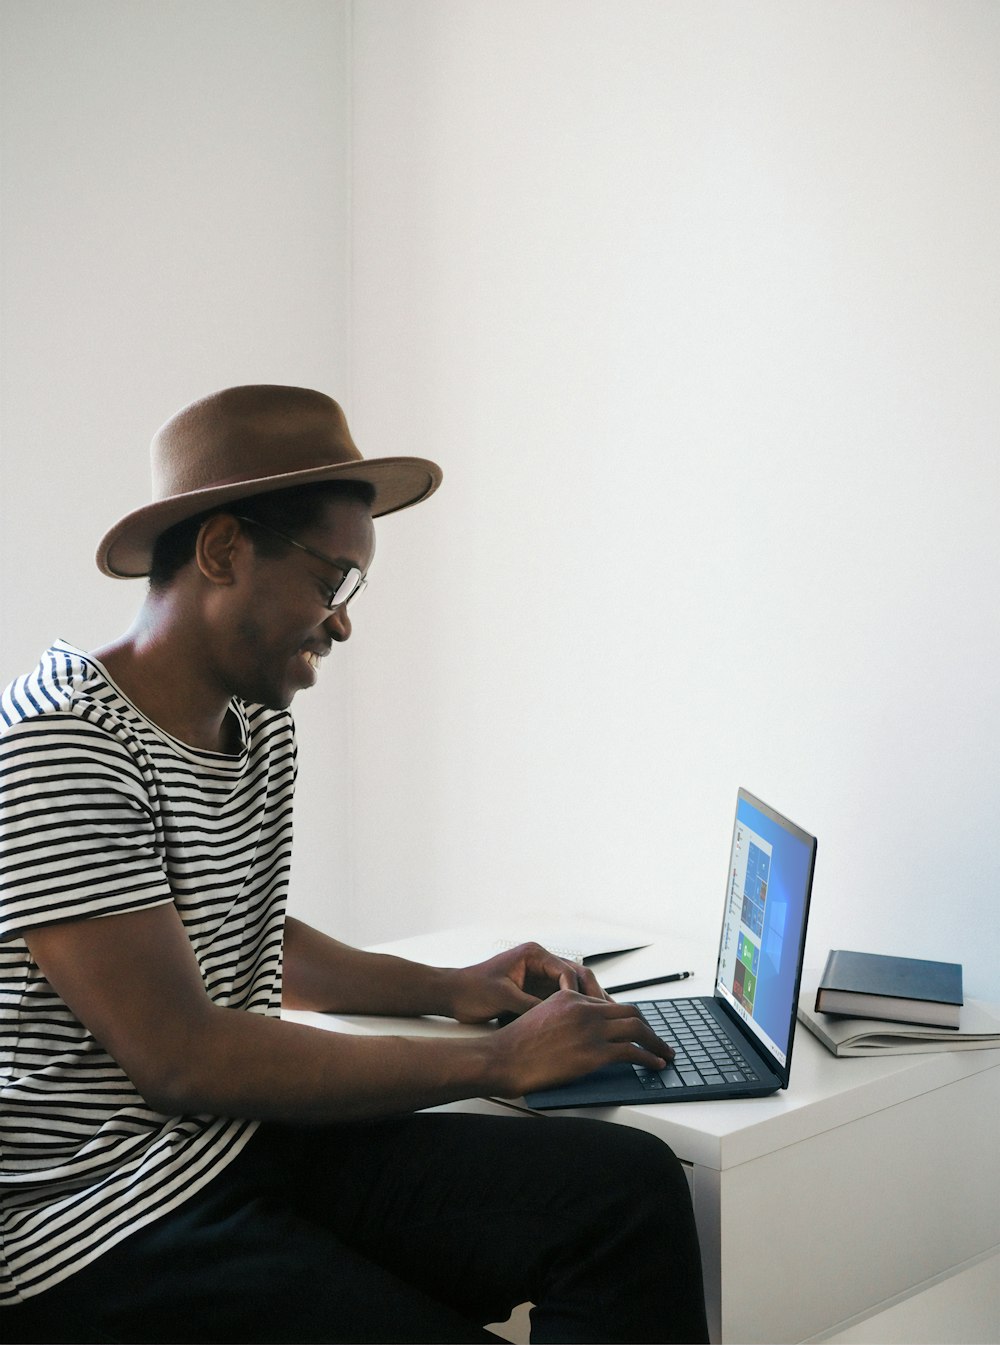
{"x": 219, "y": 542}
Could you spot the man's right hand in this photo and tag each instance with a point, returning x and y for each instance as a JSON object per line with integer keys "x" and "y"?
{"x": 568, "y": 1035}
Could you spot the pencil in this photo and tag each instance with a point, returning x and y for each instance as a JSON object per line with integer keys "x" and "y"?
{"x": 652, "y": 980}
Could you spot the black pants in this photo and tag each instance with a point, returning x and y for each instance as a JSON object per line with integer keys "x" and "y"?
{"x": 417, "y": 1229}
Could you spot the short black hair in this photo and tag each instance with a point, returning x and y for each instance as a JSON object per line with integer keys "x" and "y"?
{"x": 289, "y": 510}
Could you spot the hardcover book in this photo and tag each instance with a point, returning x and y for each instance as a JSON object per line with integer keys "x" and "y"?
{"x": 897, "y": 989}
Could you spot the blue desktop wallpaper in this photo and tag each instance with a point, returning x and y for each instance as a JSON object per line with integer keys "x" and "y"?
{"x": 788, "y": 882}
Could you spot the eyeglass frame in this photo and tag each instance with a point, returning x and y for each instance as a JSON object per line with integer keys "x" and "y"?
{"x": 360, "y": 580}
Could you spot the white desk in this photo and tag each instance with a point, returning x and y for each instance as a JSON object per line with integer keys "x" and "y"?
{"x": 867, "y": 1182}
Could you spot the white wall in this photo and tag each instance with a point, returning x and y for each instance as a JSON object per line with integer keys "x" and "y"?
{"x": 697, "y": 304}
{"x": 174, "y": 220}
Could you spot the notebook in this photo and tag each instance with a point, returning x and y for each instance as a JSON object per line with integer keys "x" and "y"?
{"x": 737, "y": 1042}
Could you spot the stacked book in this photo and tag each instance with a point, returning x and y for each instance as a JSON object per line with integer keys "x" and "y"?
{"x": 871, "y": 1004}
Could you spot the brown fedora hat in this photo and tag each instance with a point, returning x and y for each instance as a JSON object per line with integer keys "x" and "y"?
{"x": 246, "y": 441}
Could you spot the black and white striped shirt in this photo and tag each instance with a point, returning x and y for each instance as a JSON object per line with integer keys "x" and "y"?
{"x": 101, "y": 813}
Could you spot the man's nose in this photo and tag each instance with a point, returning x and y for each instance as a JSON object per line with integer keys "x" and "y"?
{"x": 338, "y": 623}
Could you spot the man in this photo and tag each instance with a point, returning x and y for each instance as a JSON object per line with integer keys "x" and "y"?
{"x": 179, "y": 1163}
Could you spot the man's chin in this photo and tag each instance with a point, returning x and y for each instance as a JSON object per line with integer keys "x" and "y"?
{"x": 278, "y": 695}
{"x": 271, "y": 698}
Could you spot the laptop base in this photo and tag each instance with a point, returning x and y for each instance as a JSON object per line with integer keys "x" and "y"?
{"x": 618, "y": 1086}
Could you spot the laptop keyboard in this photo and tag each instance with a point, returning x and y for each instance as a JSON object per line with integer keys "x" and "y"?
{"x": 703, "y": 1052}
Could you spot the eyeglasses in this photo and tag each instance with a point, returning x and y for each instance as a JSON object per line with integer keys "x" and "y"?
{"x": 344, "y": 590}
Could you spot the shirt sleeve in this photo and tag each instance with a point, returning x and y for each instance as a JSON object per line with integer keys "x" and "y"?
{"x": 80, "y": 832}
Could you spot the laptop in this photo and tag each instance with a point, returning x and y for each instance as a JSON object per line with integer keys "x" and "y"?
{"x": 737, "y": 1042}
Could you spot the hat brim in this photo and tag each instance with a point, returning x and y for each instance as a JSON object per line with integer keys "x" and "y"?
{"x": 126, "y": 550}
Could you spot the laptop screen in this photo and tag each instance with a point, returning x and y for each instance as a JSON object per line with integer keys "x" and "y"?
{"x": 764, "y": 926}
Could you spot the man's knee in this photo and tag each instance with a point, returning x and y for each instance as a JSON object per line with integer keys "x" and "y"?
{"x": 623, "y": 1164}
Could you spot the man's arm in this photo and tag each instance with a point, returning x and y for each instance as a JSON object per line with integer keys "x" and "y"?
{"x": 134, "y": 981}
{"x": 322, "y": 974}
{"x": 327, "y": 976}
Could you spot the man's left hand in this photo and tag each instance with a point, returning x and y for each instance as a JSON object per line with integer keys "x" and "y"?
{"x": 516, "y": 980}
